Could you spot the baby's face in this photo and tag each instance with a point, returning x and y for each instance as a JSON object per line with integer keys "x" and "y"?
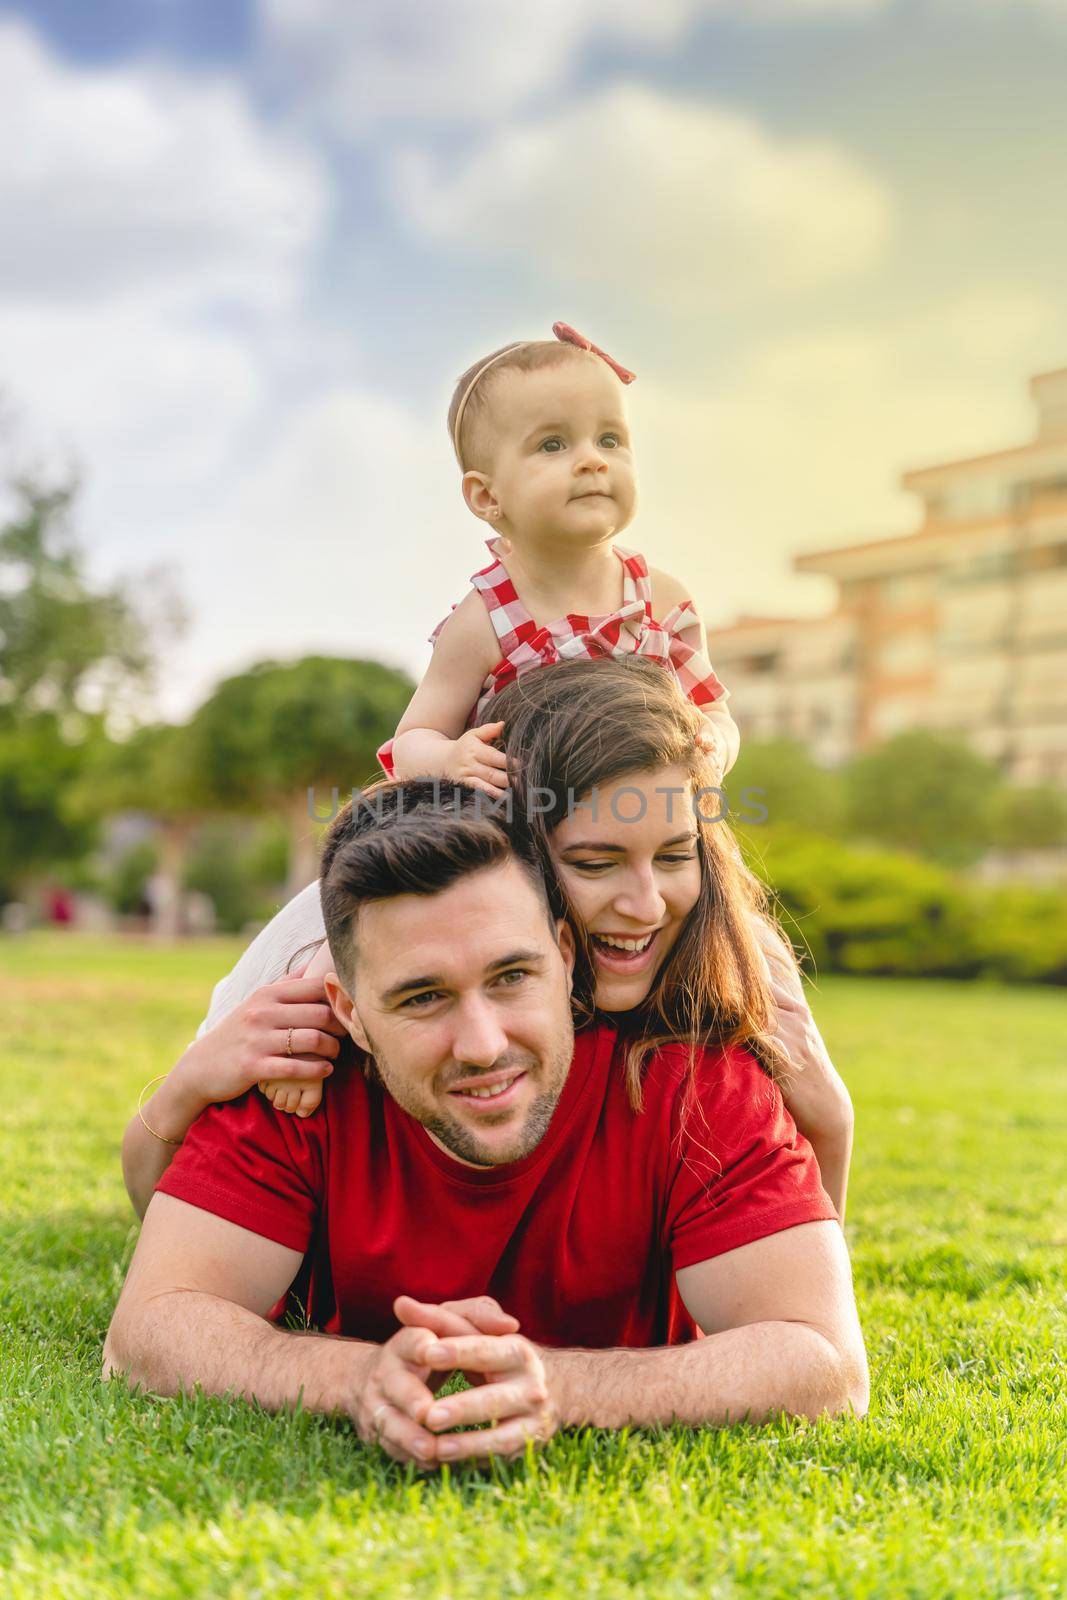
{"x": 563, "y": 464}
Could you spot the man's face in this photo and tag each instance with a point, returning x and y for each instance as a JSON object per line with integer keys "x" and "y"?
{"x": 461, "y": 993}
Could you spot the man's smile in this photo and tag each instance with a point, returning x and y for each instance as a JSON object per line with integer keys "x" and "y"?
{"x": 490, "y": 1091}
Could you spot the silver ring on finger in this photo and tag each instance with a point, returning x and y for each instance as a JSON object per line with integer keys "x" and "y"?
{"x": 377, "y": 1428}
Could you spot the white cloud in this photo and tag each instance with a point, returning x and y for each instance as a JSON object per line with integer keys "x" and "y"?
{"x": 1056, "y": 8}
{"x": 471, "y": 60}
{"x": 346, "y": 534}
{"x": 157, "y": 243}
{"x": 674, "y": 201}
{"x": 137, "y": 178}
{"x": 141, "y": 400}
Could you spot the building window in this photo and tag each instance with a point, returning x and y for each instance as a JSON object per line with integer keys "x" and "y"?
{"x": 907, "y": 591}
{"x": 992, "y": 566}
{"x": 1045, "y": 556}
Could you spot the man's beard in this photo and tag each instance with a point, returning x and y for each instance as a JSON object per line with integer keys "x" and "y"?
{"x": 465, "y": 1144}
{"x": 462, "y": 1141}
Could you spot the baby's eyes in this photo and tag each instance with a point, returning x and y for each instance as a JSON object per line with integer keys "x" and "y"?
{"x": 555, "y": 439}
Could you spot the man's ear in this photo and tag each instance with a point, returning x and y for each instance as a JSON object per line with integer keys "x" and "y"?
{"x": 345, "y": 1011}
{"x": 565, "y": 941}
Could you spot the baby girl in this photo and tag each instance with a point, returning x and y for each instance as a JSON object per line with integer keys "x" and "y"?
{"x": 540, "y": 432}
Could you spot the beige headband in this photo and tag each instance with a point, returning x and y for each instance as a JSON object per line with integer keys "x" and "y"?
{"x": 567, "y": 335}
{"x": 469, "y": 390}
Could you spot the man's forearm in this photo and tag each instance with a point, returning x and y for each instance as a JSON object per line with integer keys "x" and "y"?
{"x": 182, "y": 1339}
{"x": 744, "y": 1372}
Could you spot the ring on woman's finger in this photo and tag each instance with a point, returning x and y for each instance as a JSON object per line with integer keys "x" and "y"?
{"x": 289, "y": 1042}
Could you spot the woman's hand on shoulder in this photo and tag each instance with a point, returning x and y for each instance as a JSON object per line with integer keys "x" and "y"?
{"x": 814, "y": 1092}
{"x": 285, "y": 1030}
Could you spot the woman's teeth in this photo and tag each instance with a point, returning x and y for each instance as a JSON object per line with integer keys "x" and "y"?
{"x": 634, "y": 946}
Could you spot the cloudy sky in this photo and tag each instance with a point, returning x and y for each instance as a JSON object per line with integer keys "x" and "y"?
{"x": 247, "y": 248}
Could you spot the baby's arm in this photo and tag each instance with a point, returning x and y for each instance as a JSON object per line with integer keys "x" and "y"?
{"x": 430, "y": 740}
{"x": 723, "y": 739}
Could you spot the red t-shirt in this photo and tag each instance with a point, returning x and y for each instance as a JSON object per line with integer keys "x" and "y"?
{"x": 580, "y": 1240}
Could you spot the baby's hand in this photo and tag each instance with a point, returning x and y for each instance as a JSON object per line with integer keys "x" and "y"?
{"x": 298, "y": 1096}
{"x": 291, "y": 1095}
{"x": 284, "y": 1030}
{"x": 710, "y": 741}
{"x": 474, "y": 759}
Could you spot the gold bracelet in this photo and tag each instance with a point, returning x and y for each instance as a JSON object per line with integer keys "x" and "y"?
{"x": 160, "y": 1136}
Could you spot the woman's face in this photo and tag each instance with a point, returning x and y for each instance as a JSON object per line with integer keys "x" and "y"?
{"x": 629, "y": 863}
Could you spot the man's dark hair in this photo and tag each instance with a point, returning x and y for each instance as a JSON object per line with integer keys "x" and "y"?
{"x": 409, "y": 838}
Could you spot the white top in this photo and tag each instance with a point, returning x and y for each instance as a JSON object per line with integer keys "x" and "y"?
{"x": 268, "y": 956}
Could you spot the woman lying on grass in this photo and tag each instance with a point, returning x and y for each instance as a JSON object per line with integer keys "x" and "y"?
{"x": 674, "y": 938}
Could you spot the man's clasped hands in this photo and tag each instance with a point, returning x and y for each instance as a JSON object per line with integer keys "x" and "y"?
{"x": 398, "y": 1408}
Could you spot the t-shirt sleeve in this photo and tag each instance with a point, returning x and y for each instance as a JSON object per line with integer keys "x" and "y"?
{"x": 254, "y": 1166}
{"x": 742, "y": 1171}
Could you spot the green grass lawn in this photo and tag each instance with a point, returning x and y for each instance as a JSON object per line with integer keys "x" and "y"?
{"x": 951, "y": 1486}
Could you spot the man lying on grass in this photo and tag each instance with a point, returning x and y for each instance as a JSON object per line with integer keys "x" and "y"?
{"x": 486, "y": 1157}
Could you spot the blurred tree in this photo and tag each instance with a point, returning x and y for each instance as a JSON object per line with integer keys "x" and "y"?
{"x": 41, "y": 823}
{"x": 924, "y": 792}
{"x": 1030, "y": 817}
{"x": 155, "y": 771}
{"x": 240, "y": 865}
{"x": 268, "y": 736}
{"x": 67, "y": 647}
{"x": 125, "y": 885}
{"x": 796, "y": 790}
{"x": 71, "y": 653}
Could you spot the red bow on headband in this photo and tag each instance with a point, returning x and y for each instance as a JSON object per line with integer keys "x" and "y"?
{"x": 570, "y": 335}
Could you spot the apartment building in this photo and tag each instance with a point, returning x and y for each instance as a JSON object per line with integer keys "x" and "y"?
{"x": 960, "y": 626}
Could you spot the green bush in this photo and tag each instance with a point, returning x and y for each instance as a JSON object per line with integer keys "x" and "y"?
{"x": 877, "y": 912}
{"x": 925, "y": 792}
{"x": 1023, "y": 933}
{"x": 1029, "y": 817}
{"x": 780, "y": 775}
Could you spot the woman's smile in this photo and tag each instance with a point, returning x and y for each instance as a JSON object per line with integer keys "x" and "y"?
{"x": 624, "y": 952}
{"x": 631, "y": 872}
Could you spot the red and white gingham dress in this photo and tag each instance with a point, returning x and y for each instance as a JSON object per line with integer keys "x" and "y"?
{"x": 632, "y": 630}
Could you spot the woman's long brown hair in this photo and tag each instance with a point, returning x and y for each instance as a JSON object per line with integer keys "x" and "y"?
{"x": 578, "y": 726}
